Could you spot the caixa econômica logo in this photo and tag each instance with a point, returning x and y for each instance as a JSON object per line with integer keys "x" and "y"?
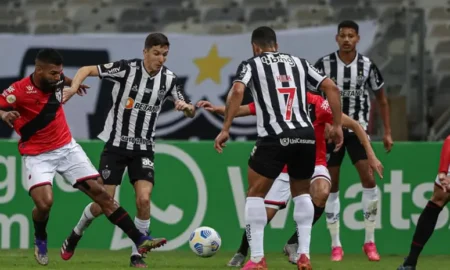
{"x": 173, "y": 214}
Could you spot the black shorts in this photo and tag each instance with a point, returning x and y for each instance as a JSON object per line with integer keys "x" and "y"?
{"x": 354, "y": 148}
{"x": 114, "y": 161}
{"x": 297, "y": 151}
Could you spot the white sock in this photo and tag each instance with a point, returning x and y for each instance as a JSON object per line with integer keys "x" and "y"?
{"x": 85, "y": 220}
{"x": 303, "y": 216}
{"x": 332, "y": 209}
{"x": 255, "y": 220}
{"x": 142, "y": 226}
{"x": 370, "y": 209}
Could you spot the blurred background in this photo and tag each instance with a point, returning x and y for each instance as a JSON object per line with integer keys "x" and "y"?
{"x": 411, "y": 45}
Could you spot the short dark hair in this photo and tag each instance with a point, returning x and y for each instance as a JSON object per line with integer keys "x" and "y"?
{"x": 156, "y": 39}
{"x": 49, "y": 56}
{"x": 349, "y": 24}
{"x": 264, "y": 36}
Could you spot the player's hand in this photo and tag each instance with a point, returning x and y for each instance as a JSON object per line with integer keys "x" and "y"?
{"x": 388, "y": 142}
{"x": 220, "y": 141}
{"x": 68, "y": 93}
{"x": 375, "y": 165}
{"x": 82, "y": 90}
{"x": 10, "y": 117}
{"x": 180, "y": 105}
{"x": 338, "y": 136}
{"x": 207, "y": 106}
{"x": 445, "y": 181}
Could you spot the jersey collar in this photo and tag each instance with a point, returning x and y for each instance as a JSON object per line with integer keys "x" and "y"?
{"x": 342, "y": 62}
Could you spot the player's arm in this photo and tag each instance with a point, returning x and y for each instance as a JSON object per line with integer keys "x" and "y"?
{"x": 444, "y": 164}
{"x": 244, "y": 110}
{"x": 7, "y": 105}
{"x": 318, "y": 81}
{"x": 374, "y": 163}
{"x": 376, "y": 83}
{"x": 236, "y": 94}
{"x": 181, "y": 100}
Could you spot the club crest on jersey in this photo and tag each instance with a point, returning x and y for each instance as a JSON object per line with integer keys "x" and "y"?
{"x": 11, "y": 99}
{"x": 106, "y": 173}
{"x": 161, "y": 94}
{"x": 109, "y": 65}
{"x": 360, "y": 80}
{"x": 58, "y": 95}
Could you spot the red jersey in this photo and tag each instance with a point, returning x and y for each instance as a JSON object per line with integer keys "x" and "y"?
{"x": 320, "y": 114}
{"x": 42, "y": 125}
{"x": 444, "y": 164}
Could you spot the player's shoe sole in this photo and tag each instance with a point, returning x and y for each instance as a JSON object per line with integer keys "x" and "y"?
{"x": 149, "y": 244}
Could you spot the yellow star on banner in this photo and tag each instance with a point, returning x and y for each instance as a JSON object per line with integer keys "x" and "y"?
{"x": 210, "y": 66}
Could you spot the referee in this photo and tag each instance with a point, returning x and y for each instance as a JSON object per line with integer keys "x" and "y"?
{"x": 355, "y": 75}
{"x": 140, "y": 89}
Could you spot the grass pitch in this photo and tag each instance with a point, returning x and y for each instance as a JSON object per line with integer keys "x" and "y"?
{"x": 108, "y": 260}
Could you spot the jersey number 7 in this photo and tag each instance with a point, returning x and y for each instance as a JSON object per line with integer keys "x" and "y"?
{"x": 290, "y": 92}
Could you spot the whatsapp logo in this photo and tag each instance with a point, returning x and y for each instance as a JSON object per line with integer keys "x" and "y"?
{"x": 179, "y": 199}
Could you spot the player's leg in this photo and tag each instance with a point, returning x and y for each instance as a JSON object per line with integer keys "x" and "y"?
{"x": 275, "y": 200}
{"x": 141, "y": 173}
{"x": 369, "y": 197}
{"x": 300, "y": 164}
{"x": 264, "y": 166}
{"x": 111, "y": 169}
{"x": 41, "y": 170}
{"x": 425, "y": 226}
{"x": 78, "y": 169}
{"x": 333, "y": 204}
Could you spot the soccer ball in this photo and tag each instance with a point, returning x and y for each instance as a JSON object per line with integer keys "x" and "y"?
{"x": 205, "y": 242}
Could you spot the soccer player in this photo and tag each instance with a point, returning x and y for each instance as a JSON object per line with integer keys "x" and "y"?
{"x": 47, "y": 147}
{"x": 428, "y": 218}
{"x": 278, "y": 83}
{"x": 141, "y": 88}
{"x": 354, "y": 74}
{"x": 279, "y": 194}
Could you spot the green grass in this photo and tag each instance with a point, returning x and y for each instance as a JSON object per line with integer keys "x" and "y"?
{"x": 102, "y": 259}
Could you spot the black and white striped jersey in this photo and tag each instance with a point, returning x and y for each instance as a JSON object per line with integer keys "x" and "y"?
{"x": 354, "y": 81}
{"x": 137, "y": 101}
{"x": 278, "y": 83}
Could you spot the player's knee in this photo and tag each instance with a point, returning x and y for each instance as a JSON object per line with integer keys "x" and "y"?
{"x": 320, "y": 192}
{"x": 142, "y": 202}
{"x": 440, "y": 197}
{"x": 258, "y": 190}
{"x": 44, "y": 204}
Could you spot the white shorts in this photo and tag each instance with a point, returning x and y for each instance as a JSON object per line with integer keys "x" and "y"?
{"x": 70, "y": 161}
{"x": 280, "y": 192}
{"x": 321, "y": 171}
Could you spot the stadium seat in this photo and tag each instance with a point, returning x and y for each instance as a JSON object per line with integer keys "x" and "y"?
{"x": 261, "y": 3}
{"x": 226, "y": 28}
{"x": 90, "y": 3}
{"x": 136, "y": 28}
{"x": 385, "y": 2}
{"x": 439, "y": 14}
{"x": 32, "y": 4}
{"x": 267, "y": 14}
{"x": 165, "y": 3}
{"x": 179, "y": 15}
{"x": 344, "y": 3}
{"x": 50, "y": 15}
{"x": 444, "y": 65}
{"x": 48, "y": 28}
{"x": 11, "y": 16}
{"x": 213, "y": 3}
{"x": 224, "y": 14}
{"x": 350, "y": 13}
{"x": 97, "y": 28}
{"x": 138, "y": 15}
{"x": 14, "y": 28}
{"x": 440, "y": 30}
{"x": 276, "y": 25}
{"x": 443, "y": 47}
{"x": 128, "y": 3}
{"x": 316, "y": 14}
{"x": 292, "y": 3}
{"x": 396, "y": 46}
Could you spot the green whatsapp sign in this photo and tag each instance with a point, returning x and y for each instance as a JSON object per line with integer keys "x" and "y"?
{"x": 195, "y": 186}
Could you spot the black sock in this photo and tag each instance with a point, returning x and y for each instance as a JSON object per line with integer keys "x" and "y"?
{"x": 424, "y": 230}
{"x": 121, "y": 218}
{"x": 318, "y": 211}
{"x": 243, "y": 249}
{"x": 40, "y": 229}
{"x": 293, "y": 239}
